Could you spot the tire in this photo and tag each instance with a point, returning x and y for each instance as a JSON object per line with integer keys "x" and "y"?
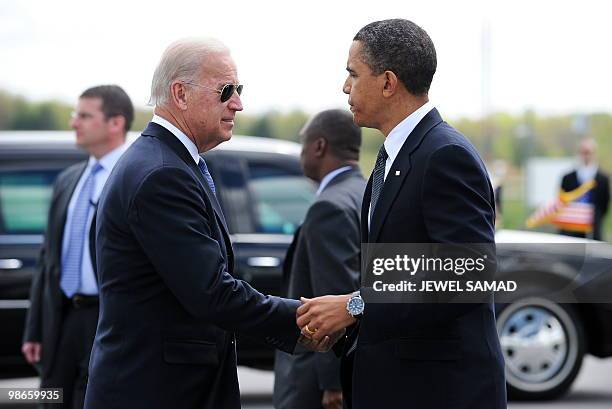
{"x": 543, "y": 344}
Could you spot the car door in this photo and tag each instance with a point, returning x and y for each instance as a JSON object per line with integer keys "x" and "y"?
{"x": 26, "y": 184}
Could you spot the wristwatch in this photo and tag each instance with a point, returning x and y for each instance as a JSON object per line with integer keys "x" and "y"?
{"x": 355, "y": 305}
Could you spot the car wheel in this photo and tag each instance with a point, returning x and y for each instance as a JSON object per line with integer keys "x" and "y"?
{"x": 543, "y": 345}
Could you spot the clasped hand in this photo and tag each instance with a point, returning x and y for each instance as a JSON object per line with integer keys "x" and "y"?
{"x": 322, "y": 321}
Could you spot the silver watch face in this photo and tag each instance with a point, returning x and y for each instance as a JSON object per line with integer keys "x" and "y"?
{"x": 356, "y": 306}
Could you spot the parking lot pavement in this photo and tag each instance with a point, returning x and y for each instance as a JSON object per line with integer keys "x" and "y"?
{"x": 255, "y": 387}
{"x": 592, "y": 389}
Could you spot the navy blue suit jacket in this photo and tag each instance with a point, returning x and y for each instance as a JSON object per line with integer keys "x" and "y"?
{"x": 169, "y": 305}
{"x": 428, "y": 355}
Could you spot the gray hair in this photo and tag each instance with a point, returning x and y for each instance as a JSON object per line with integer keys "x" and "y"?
{"x": 182, "y": 61}
{"x": 402, "y": 47}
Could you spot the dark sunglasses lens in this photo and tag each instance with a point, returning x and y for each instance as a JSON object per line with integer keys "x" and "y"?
{"x": 228, "y": 91}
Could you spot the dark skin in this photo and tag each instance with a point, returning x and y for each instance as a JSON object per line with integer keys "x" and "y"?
{"x": 332, "y": 399}
{"x": 318, "y": 159}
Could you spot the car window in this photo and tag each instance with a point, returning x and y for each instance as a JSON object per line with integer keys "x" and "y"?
{"x": 282, "y": 197}
{"x": 25, "y": 197}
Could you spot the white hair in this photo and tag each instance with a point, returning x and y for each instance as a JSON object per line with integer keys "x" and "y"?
{"x": 182, "y": 61}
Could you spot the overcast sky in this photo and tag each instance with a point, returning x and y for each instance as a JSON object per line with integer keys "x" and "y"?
{"x": 551, "y": 56}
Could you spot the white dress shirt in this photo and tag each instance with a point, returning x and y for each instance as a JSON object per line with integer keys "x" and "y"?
{"x": 586, "y": 172}
{"x": 88, "y": 284}
{"x": 330, "y": 176}
{"x": 398, "y": 136}
{"x": 180, "y": 135}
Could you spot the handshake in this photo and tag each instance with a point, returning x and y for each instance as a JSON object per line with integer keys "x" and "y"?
{"x": 323, "y": 321}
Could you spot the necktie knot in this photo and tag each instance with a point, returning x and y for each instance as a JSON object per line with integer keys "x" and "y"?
{"x": 382, "y": 154}
{"x": 202, "y": 165}
{"x": 96, "y": 168}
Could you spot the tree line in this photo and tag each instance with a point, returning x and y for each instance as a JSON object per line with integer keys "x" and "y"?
{"x": 513, "y": 138}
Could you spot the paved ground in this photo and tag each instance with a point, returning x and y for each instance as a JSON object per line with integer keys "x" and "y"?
{"x": 592, "y": 389}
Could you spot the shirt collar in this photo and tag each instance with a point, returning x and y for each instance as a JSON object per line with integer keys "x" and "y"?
{"x": 108, "y": 161}
{"x": 330, "y": 176}
{"x": 180, "y": 135}
{"x": 398, "y": 135}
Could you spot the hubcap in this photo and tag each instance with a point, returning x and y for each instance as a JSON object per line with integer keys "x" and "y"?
{"x": 534, "y": 344}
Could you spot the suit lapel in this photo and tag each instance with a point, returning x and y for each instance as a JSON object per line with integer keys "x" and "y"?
{"x": 399, "y": 170}
{"x": 61, "y": 213}
{"x": 172, "y": 141}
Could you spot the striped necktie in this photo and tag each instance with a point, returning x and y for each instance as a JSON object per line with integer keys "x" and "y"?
{"x": 70, "y": 280}
{"x": 207, "y": 176}
{"x": 378, "y": 178}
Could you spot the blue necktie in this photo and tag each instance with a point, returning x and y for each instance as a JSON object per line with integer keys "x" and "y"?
{"x": 206, "y": 173}
{"x": 71, "y": 263}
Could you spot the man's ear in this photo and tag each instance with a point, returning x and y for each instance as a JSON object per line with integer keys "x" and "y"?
{"x": 320, "y": 146}
{"x": 117, "y": 123}
{"x": 390, "y": 85}
{"x": 178, "y": 93}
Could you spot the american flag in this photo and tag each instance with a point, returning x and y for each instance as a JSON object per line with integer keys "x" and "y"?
{"x": 575, "y": 216}
{"x": 570, "y": 211}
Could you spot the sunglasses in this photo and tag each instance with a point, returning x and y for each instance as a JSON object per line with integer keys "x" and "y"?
{"x": 226, "y": 92}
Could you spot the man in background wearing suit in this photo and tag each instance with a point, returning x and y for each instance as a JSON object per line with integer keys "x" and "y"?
{"x": 324, "y": 256}
{"x": 169, "y": 304}
{"x": 61, "y": 321}
{"x": 599, "y": 196}
{"x": 429, "y": 185}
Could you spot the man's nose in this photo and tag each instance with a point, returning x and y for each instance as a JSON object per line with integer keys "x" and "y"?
{"x": 346, "y": 88}
{"x": 235, "y": 103}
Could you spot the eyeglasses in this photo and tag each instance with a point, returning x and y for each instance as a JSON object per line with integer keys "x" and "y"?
{"x": 226, "y": 92}
{"x": 80, "y": 115}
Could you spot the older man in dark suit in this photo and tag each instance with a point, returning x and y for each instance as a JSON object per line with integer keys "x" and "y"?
{"x": 61, "y": 321}
{"x": 429, "y": 185}
{"x": 169, "y": 305}
{"x": 324, "y": 256}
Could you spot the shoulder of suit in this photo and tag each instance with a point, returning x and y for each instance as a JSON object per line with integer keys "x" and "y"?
{"x": 70, "y": 172}
{"x": 149, "y": 154}
{"x": 443, "y": 134}
{"x": 343, "y": 204}
{"x": 341, "y": 192}
{"x": 323, "y": 206}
